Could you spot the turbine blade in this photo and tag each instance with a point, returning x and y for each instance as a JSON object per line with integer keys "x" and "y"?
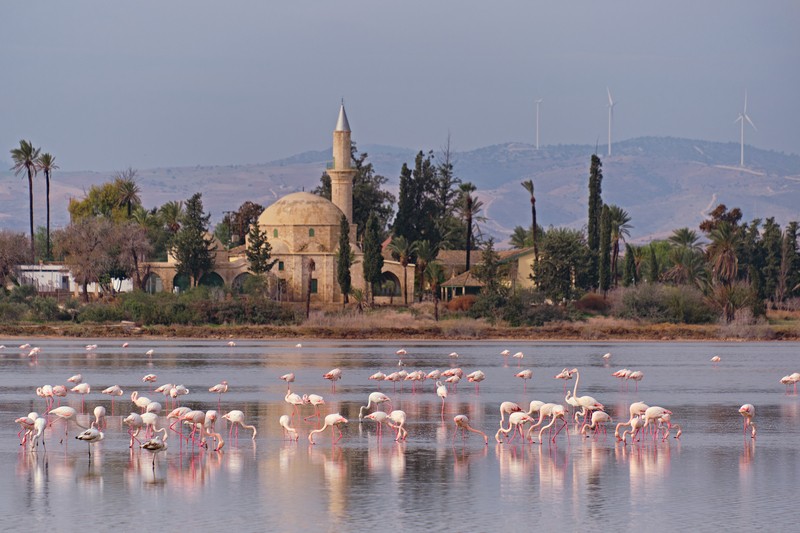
{"x": 610, "y": 101}
{"x": 745, "y": 103}
{"x": 751, "y": 122}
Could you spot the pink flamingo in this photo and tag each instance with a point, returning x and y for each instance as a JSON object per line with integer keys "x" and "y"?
{"x": 220, "y": 389}
{"x": 441, "y": 392}
{"x": 316, "y": 400}
{"x": 288, "y": 378}
{"x": 288, "y": 431}
{"x": 564, "y": 375}
{"x": 462, "y": 423}
{"x": 476, "y": 378}
{"x": 236, "y": 418}
{"x": 508, "y": 408}
{"x": 134, "y": 423}
{"x": 334, "y": 376}
{"x": 379, "y": 417}
{"x": 516, "y": 422}
{"x": 294, "y": 400}
{"x": 748, "y": 412}
{"x": 556, "y": 412}
{"x": 83, "y": 389}
{"x": 373, "y": 400}
{"x": 397, "y": 421}
{"x": 599, "y": 419}
{"x": 66, "y": 413}
{"x": 333, "y": 421}
{"x": 113, "y": 390}
{"x": 525, "y": 375}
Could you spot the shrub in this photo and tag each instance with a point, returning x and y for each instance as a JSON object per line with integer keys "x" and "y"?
{"x": 528, "y": 308}
{"x": 100, "y": 312}
{"x": 461, "y": 303}
{"x": 592, "y": 302}
{"x": 655, "y": 302}
{"x": 46, "y": 309}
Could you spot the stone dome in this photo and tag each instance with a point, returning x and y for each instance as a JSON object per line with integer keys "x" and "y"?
{"x": 301, "y": 209}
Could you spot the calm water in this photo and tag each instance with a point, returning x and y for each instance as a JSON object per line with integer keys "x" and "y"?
{"x": 712, "y": 476}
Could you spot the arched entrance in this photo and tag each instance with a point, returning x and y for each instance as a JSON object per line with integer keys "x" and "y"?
{"x": 181, "y": 283}
{"x": 211, "y": 279}
{"x": 238, "y": 282}
{"x": 153, "y": 283}
{"x": 388, "y": 286}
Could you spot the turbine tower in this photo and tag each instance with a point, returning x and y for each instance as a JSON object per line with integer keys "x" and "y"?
{"x": 611, "y": 105}
{"x": 539, "y": 101}
{"x": 742, "y": 118}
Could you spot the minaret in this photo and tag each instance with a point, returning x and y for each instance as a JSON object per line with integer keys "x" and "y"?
{"x": 341, "y": 173}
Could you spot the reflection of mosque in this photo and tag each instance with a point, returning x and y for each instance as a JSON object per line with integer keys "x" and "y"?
{"x": 303, "y": 230}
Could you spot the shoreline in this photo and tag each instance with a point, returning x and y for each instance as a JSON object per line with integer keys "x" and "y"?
{"x": 572, "y": 332}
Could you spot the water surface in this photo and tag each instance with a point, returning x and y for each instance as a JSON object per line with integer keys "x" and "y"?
{"x": 713, "y": 476}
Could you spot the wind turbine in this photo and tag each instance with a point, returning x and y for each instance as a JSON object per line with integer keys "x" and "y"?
{"x": 742, "y": 117}
{"x": 611, "y": 105}
{"x": 539, "y": 101}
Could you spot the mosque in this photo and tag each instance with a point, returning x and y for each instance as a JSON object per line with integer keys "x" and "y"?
{"x": 303, "y": 230}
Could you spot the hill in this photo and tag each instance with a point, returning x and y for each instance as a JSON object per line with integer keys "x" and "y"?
{"x": 664, "y": 183}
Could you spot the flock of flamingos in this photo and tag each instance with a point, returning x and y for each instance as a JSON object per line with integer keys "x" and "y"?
{"x": 588, "y": 415}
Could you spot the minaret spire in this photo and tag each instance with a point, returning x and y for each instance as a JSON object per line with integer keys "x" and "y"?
{"x": 342, "y": 173}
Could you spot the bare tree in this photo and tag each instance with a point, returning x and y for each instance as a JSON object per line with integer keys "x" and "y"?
{"x": 86, "y": 246}
{"x": 135, "y": 248}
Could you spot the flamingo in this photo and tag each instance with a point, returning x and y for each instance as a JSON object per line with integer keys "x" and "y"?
{"x": 91, "y": 436}
{"x": 654, "y": 414}
{"x": 716, "y": 359}
{"x": 556, "y": 412}
{"x": 518, "y": 356}
{"x": 599, "y": 418}
{"x": 288, "y": 431}
{"x": 534, "y": 407}
{"x": 397, "y": 421}
{"x": 177, "y": 414}
{"x": 441, "y": 392}
{"x": 636, "y": 376}
{"x": 298, "y": 345}
{"x": 748, "y": 412}
{"x": 334, "y": 375}
{"x": 454, "y": 355}
{"x": 196, "y": 419}
{"x": 153, "y": 407}
{"x": 378, "y": 376}
{"x": 401, "y": 351}
{"x": 294, "y": 400}
{"x": 149, "y": 421}
{"x": 66, "y": 413}
{"x": 795, "y": 377}
{"x": 100, "y": 417}
{"x": 156, "y": 445}
{"x": 77, "y": 378}
{"x": 373, "y": 400}
{"x": 27, "y": 423}
{"x": 544, "y": 411}
{"x": 508, "y": 408}
{"x": 38, "y": 433}
{"x": 565, "y": 375}
{"x": 59, "y": 391}
{"x": 125, "y": 344}
{"x": 516, "y": 421}
{"x": 667, "y": 419}
{"x": 525, "y": 375}
{"x": 46, "y": 392}
{"x": 379, "y": 417}
{"x": 636, "y": 424}
{"x": 231, "y": 344}
{"x": 83, "y": 389}
{"x": 236, "y": 418}
{"x": 149, "y": 353}
{"x": 476, "y": 378}
{"x": 134, "y": 422}
{"x": 607, "y": 356}
{"x": 220, "y": 389}
{"x": 316, "y": 400}
{"x": 453, "y": 380}
{"x": 587, "y": 403}
{"x": 333, "y": 420}
{"x": 113, "y": 390}
{"x": 90, "y": 347}
{"x": 178, "y": 390}
{"x": 288, "y": 378}
{"x": 394, "y": 377}
{"x": 434, "y": 375}
{"x": 462, "y": 423}
{"x": 505, "y": 353}
{"x": 140, "y": 401}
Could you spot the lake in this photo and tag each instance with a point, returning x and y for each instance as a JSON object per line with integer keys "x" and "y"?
{"x": 714, "y": 476}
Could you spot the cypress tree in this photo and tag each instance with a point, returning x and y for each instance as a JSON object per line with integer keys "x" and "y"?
{"x": 629, "y": 276}
{"x": 605, "y": 250}
{"x": 192, "y": 249}
{"x": 373, "y": 258}
{"x": 595, "y": 211}
{"x": 343, "y": 259}
{"x": 654, "y": 269}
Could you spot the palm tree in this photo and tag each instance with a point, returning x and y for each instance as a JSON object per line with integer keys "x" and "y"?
{"x": 528, "y": 185}
{"x": 47, "y": 164}
{"x": 434, "y": 273}
{"x": 688, "y": 267}
{"x": 128, "y": 190}
{"x": 685, "y": 238}
{"x": 722, "y": 252}
{"x": 171, "y": 214}
{"x": 521, "y": 238}
{"x": 469, "y": 207}
{"x": 619, "y": 230}
{"x": 25, "y": 158}
{"x": 426, "y": 253}
{"x": 403, "y": 251}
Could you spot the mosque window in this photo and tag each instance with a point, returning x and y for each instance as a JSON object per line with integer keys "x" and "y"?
{"x": 310, "y": 232}
{"x": 313, "y": 286}
{"x": 275, "y": 232}
{"x": 280, "y": 265}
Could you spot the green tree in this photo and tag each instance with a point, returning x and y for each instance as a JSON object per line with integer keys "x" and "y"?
{"x": 620, "y": 228}
{"x": 192, "y": 247}
{"x": 685, "y": 238}
{"x": 259, "y": 251}
{"x": 494, "y": 295}
{"x": 25, "y": 158}
{"x": 344, "y": 259}
{"x": 240, "y": 221}
{"x": 654, "y": 268}
{"x": 434, "y": 274}
{"x": 630, "y": 274}
{"x": 47, "y": 164}
{"x": 373, "y": 258}
{"x": 521, "y": 238}
{"x": 564, "y": 263}
{"x": 128, "y": 190}
{"x": 595, "y": 211}
{"x": 417, "y": 208}
{"x": 426, "y": 254}
{"x": 171, "y": 214}
{"x": 721, "y": 253}
{"x": 12, "y": 254}
{"x": 528, "y": 186}
{"x": 100, "y": 201}
{"x": 771, "y": 244}
{"x": 402, "y": 251}
{"x": 605, "y": 250}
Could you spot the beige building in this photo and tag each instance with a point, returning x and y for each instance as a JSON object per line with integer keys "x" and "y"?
{"x": 303, "y": 230}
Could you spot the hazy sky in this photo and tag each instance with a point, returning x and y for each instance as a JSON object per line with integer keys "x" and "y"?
{"x": 106, "y": 85}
